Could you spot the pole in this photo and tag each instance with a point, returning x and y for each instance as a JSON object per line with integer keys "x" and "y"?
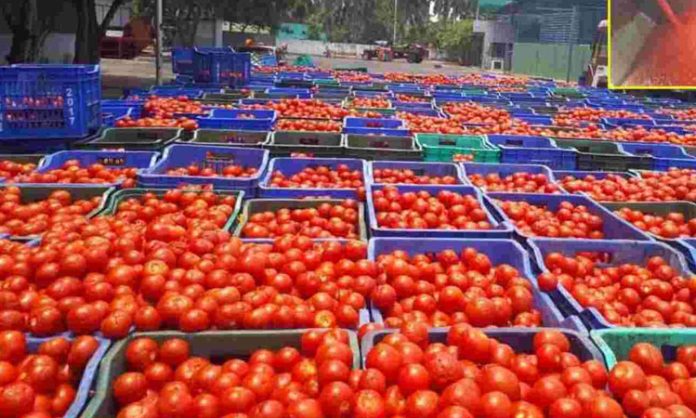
{"x": 158, "y": 42}
{"x": 396, "y": 6}
{"x": 571, "y": 39}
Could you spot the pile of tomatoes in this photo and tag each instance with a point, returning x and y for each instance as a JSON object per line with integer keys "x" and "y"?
{"x": 184, "y": 123}
{"x": 308, "y": 125}
{"x": 430, "y": 124}
{"x": 408, "y": 98}
{"x": 423, "y": 210}
{"x": 521, "y": 182}
{"x": 408, "y": 176}
{"x": 370, "y": 103}
{"x": 9, "y": 170}
{"x": 320, "y": 177}
{"x": 213, "y": 170}
{"x": 579, "y": 116}
{"x": 168, "y": 379}
{"x": 169, "y": 107}
{"x": 642, "y": 134}
{"x": 41, "y": 384}
{"x": 352, "y": 77}
{"x": 654, "y": 294}
{"x": 304, "y": 108}
{"x": 675, "y": 184}
{"x": 476, "y": 113}
{"x": 681, "y": 114}
{"x": 59, "y": 212}
{"x": 448, "y": 288}
{"x": 73, "y": 172}
{"x": 462, "y": 158}
{"x": 326, "y": 220}
{"x": 568, "y": 221}
{"x": 671, "y": 226}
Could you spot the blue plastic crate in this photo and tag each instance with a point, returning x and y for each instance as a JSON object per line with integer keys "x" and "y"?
{"x": 412, "y": 105}
{"x": 215, "y": 157}
{"x": 498, "y": 230}
{"x": 423, "y": 112}
{"x": 111, "y": 115}
{"x": 521, "y": 339}
{"x": 234, "y": 119}
{"x": 419, "y": 168}
{"x": 614, "y": 228}
{"x": 49, "y": 101}
{"x": 291, "y": 166}
{"x": 142, "y": 160}
{"x": 85, "y": 387}
{"x": 370, "y": 93}
{"x": 665, "y": 156}
{"x": 221, "y": 66}
{"x": 377, "y": 123}
{"x": 518, "y": 149}
{"x": 688, "y": 248}
{"x": 617, "y": 252}
{"x": 627, "y": 122}
{"x": 499, "y": 251}
{"x": 182, "y": 61}
{"x": 560, "y": 174}
{"x": 536, "y": 120}
{"x": 376, "y": 131}
{"x": 176, "y": 91}
{"x": 505, "y": 170}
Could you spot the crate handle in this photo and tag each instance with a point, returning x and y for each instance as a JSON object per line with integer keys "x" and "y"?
{"x": 642, "y": 151}
{"x": 111, "y": 161}
{"x": 514, "y": 142}
{"x": 218, "y": 157}
{"x": 443, "y": 141}
{"x": 235, "y": 139}
{"x": 379, "y": 144}
{"x": 308, "y": 141}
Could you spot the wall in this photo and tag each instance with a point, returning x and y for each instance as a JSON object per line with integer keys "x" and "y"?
{"x": 549, "y": 60}
{"x": 319, "y": 48}
{"x": 494, "y": 32}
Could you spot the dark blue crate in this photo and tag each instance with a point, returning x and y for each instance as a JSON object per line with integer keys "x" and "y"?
{"x": 499, "y": 251}
{"x": 221, "y": 66}
{"x": 617, "y": 252}
{"x": 215, "y": 157}
{"x": 505, "y": 170}
{"x": 49, "y": 101}
{"x": 142, "y": 160}
{"x": 627, "y": 122}
{"x": 519, "y": 149}
{"x": 231, "y": 119}
{"x": 419, "y": 169}
{"x": 84, "y": 389}
{"x": 614, "y": 228}
{"x": 176, "y": 91}
{"x": 378, "y": 123}
{"x": 499, "y": 230}
{"x": 536, "y": 120}
{"x": 521, "y": 339}
{"x": 376, "y": 131}
{"x": 291, "y": 166}
{"x": 291, "y": 74}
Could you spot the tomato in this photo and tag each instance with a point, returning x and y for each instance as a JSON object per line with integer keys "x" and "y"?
{"x": 16, "y": 399}
{"x": 605, "y": 407}
{"x": 12, "y": 345}
{"x": 305, "y": 408}
{"x": 386, "y": 359}
{"x": 130, "y": 387}
{"x": 522, "y": 182}
{"x": 368, "y": 404}
{"x": 565, "y": 408}
{"x": 495, "y": 405}
{"x": 335, "y": 399}
{"x": 141, "y": 352}
{"x": 625, "y": 376}
{"x": 422, "y": 404}
{"x": 412, "y": 378}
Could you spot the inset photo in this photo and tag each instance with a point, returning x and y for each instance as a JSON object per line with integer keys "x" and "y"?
{"x": 652, "y": 44}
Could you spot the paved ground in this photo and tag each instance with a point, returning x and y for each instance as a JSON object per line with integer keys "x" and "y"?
{"x": 140, "y": 72}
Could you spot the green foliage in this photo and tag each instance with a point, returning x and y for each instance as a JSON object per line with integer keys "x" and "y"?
{"x": 455, "y": 37}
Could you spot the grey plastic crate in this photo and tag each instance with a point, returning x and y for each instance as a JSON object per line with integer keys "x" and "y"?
{"x": 213, "y": 345}
{"x": 133, "y": 139}
{"x": 22, "y": 158}
{"x": 232, "y": 138}
{"x": 603, "y": 156}
{"x": 263, "y": 205}
{"x": 319, "y": 144}
{"x": 374, "y": 147}
{"x": 688, "y": 209}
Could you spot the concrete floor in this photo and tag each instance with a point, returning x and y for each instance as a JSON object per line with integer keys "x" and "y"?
{"x": 140, "y": 72}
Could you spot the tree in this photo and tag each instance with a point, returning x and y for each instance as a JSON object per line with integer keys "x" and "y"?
{"x": 30, "y": 22}
{"x": 455, "y": 38}
{"x": 448, "y": 10}
{"x": 89, "y": 32}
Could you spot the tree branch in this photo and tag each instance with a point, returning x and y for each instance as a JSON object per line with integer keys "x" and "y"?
{"x": 115, "y": 5}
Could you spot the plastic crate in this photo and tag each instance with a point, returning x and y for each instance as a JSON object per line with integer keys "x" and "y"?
{"x": 254, "y": 206}
{"x": 373, "y": 123}
{"x": 505, "y": 170}
{"x": 664, "y": 156}
{"x": 221, "y": 66}
{"x": 371, "y": 147}
{"x": 616, "y": 251}
{"x": 627, "y": 122}
{"x": 536, "y": 120}
{"x": 498, "y": 230}
{"x": 49, "y": 101}
{"x": 182, "y": 61}
{"x": 377, "y": 131}
{"x": 142, "y": 160}
{"x": 499, "y": 251}
{"x": 688, "y": 209}
{"x": 215, "y": 157}
{"x": 418, "y": 168}
{"x": 317, "y": 144}
{"x": 118, "y": 196}
{"x": 615, "y": 344}
{"x": 613, "y": 226}
{"x": 603, "y": 156}
{"x": 291, "y": 166}
{"x": 239, "y": 119}
{"x": 234, "y": 138}
{"x": 30, "y": 193}
{"x": 442, "y": 147}
{"x": 519, "y": 149}
{"x": 87, "y": 380}
{"x": 22, "y": 159}
{"x": 422, "y": 112}
{"x": 176, "y": 91}
{"x": 210, "y": 344}
{"x": 687, "y": 246}
{"x": 151, "y": 139}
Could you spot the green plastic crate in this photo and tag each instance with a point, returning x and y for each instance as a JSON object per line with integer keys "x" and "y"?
{"x": 232, "y": 138}
{"x": 616, "y": 343}
{"x": 115, "y": 198}
{"x": 326, "y": 82}
{"x": 214, "y": 345}
{"x": 442, "y": 147}
{"x": 254, "y": 206}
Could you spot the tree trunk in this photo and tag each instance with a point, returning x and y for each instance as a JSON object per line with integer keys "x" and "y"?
{"x": 23, "y": 26}
{"x": 87, "y": 33}
{"x": 115, "y": 5}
